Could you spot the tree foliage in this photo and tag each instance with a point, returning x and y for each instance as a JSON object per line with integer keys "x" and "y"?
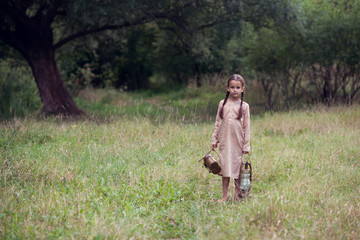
{"x": 296, "y": 50}
{"x": 314, "y": 56}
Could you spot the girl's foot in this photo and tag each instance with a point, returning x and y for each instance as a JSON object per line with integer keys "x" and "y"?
{"x": 222, "y": 200}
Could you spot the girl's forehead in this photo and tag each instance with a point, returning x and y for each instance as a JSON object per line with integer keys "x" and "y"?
{"x": 235, "y": 83}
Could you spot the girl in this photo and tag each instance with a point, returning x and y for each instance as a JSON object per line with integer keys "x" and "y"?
{"x": 232, "y": 133}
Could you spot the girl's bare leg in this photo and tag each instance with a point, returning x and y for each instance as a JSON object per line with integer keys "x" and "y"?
{"x": 225, "y": 188}
{"x": 237, "y": 189}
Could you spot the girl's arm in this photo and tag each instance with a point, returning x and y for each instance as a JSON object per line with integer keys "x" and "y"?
{"x": 215, "y": 138}
{"x": 246, "y": 129}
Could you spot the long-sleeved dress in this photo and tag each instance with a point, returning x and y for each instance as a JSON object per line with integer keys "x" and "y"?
{"x": 232, "y": 136}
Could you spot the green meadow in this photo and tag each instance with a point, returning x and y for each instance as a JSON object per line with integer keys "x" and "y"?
{"x": 130, "y": 170}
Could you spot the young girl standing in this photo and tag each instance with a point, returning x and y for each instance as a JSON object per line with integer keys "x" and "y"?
{"x": 232, "y": 133}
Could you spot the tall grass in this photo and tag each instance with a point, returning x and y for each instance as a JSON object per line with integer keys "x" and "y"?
{"x": 136, "y": 176}
{"x": 189, "y": 104}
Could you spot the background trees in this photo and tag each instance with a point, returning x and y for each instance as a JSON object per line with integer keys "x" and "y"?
{"x": 335, "y": 49}
{"x": 315, "y": 57}
{"x": 296, "y": 50}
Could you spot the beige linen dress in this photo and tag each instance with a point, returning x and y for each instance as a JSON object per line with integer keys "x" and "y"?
{"x": 232, "y": 136}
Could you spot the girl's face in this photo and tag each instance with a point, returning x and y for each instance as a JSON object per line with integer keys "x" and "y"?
{"x": 235, "y": 88}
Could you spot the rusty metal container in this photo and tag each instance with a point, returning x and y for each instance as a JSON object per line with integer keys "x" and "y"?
{"x": 211, "y": 164}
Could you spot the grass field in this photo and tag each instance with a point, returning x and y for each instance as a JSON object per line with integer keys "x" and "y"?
{"x": 131, "y": 172}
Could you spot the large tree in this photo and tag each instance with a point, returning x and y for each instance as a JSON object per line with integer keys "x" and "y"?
{"x": 36, "y": 28}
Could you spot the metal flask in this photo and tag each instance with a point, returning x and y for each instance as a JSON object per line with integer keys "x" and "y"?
{"x": 211, "y": 164}
{"x": 245, "y": 177}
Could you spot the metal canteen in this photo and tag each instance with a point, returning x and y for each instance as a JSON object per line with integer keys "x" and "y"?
{"x": 211, "y": 164}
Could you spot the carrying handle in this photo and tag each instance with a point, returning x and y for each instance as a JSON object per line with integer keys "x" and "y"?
{"x": 208, "y": 153}
{"x": 248, "y": 157}
{"x": 247, "y": 165}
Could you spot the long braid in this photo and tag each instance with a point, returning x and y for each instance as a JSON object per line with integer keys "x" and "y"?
{"x": 225, "y": 100}
{"x": 242, "y": 100}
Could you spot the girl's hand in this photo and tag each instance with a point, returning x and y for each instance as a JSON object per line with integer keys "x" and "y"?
{"x": 244, "y": 152}
{"x": 213, "y": 145}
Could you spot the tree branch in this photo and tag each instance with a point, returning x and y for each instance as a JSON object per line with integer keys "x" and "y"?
{"x": 147, "y": 17}
{"x": 47, "y": 11}
{"x": 100, "y": 29}
{"x": 181, "y": 24}
{"x": 52, "y": 9}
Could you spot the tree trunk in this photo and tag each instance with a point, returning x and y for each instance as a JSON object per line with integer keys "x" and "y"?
{"x": 326, "y": 95}
{"x": 197, "y": 75}
{"x": 55, "y": 97}
{"x": 33, "y": 38}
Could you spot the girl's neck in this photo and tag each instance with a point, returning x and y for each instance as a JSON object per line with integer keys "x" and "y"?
{"x": 233, "y": 99}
